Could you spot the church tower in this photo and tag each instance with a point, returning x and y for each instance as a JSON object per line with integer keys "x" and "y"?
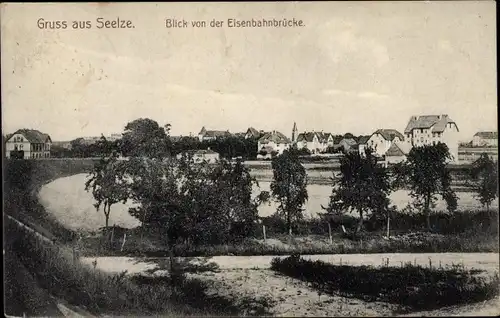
{"x": 294, "y": 133}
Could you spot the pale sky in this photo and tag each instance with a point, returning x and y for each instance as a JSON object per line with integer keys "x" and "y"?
{"x": 354, "y": 67}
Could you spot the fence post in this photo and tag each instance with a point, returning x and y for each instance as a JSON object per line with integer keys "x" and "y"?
{"x": 264, "y": 231}
{"x": 124, "y": 239}
{"x": 388, "y": 224}
{"x": 330, "y": 233}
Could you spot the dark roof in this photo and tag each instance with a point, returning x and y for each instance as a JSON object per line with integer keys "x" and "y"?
{"x": 33, "y": 136}
{"x": 349, "y": 141}
{"x": 216, "y": 133}
{"x": 438, "y": 122}
{"x": 274, "y": 136}
{"x": 363, "y": 140}
{"x": 397, "y": 150}
{"x": 309, "y": 136}
{"x": 337, "y": 139}
{"x": 389, "y": 134}
{"x": 254, "y": 132}
{"x": 487, "y": 134}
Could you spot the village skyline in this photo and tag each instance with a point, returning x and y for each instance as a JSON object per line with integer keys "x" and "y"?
{"x": 355, "y": 68}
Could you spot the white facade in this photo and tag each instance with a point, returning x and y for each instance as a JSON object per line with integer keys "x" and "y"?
{"x": 315, "y": 142}
{"x": 32, "y": 150}
{"x": 379, "y": 144}
{"x": 485, "y": 139}
{"x": 279, "y": 147}
{"x": 273, "y": 142}
{"x": 432, "y": 130}
{"x": 203, "y": 155}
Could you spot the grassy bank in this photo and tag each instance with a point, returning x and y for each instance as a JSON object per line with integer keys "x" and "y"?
{"x": 412, "y": 287}
{"x": 415, "y": 242}
{"x": 52, "y": 271}
{"x": 22, "y": 181}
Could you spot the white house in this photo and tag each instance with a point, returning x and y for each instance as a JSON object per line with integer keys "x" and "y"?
{"x": 316, "y": 142}
{"x": 206, "y": 135}
{"x": 485, "y": 139}
{"x": 382, "y": 139}
{"x": 198, "y": 156}
{"x": 431, "y": 129}
{"x": 273, "y": 141}
{"x": 28, "y": 144}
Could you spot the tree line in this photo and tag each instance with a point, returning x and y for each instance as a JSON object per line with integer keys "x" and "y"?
{"x": 179, "y": 201}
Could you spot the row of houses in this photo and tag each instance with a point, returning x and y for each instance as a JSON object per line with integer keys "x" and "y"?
{"x": 389, "y": 144}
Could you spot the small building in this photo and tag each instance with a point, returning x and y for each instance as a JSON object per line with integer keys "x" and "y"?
{"x": 397, "y": 153}
{"x": 273, "y": 141}
{"x": 316, "y": 142}
{"x": 198, "y": 156}
{"x": 382, "y": 139}
{"x": 62, "y": 144}
{"x": 362, "y": 144}
{"x": 252, "y": 133}
{"x": 28, "y": 144}
{"x": 485, "y": 139}
{"x": 348, "y": 144}
{"x": 207, "y": 135}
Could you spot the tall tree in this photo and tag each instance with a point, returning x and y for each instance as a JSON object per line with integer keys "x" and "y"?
{"x": 143, "y": 137}
{"x": 289, "y": 186}
{"x": 107, "y": 184}
{"x": 363, "y": 186}
{"x": 425, "y": 171}
{"x": 485, "y": 171}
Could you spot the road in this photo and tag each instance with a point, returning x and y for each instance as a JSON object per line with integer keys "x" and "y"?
{"x": 485, "y": 261}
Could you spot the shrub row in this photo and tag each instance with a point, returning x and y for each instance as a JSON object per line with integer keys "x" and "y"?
{"x": 412, "y": 287}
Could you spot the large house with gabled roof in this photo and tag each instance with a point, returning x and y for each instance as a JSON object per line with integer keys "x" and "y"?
{"x": 28, "y": 144}
{"x": 382, "y": 139}
{"x": 316, "y": 142}
{"x": 432, "y": 129}
{"x": 207, "y": 135}
{"x": 273, "y": 141}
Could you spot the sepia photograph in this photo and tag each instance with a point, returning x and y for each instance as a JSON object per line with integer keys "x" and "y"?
{"x": 291, "y": 159}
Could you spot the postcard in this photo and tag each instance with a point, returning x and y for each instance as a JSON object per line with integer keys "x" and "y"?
{"x": 250, "y": 159}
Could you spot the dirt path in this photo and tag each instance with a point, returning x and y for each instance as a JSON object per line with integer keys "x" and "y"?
{"x": 288, "y": 297}
{"x": 485, "y": 261}
{"x": 248, "y": 277}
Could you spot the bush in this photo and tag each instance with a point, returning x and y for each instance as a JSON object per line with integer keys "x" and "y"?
{"x": 411, "y": 286}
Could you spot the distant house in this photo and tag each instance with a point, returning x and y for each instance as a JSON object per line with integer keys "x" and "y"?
{"x": 362, "y": 143}
{"x": 114, "y": 137}
{"x": 28, "y": 144}
{"x": 348, "y": 144}
{"x": 206, "y": 135}
{"x": 485, "y": 139}
{"x": 198, "y": 156}
{"x": 316, "y": 142}
{"x": 397, "y": 152}
{"x": 273, "y": 141}
{"x": 62, "y": 144}
{"x": 252, "y": 133}
{"x": 431, "y": 129}
{"x": 382, "y": 139}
